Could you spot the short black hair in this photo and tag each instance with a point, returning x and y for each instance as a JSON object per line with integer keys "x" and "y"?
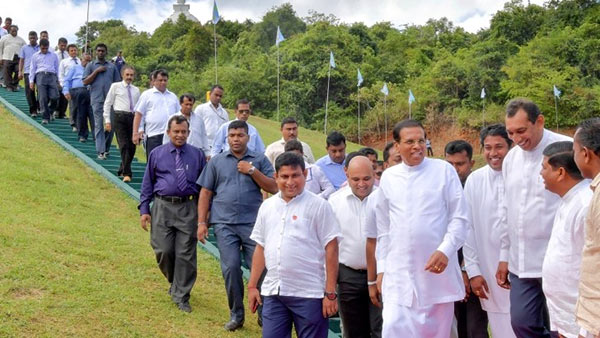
{"x": 161, "y": 72}
{"x": 532, "y": 110}
{"x": 289, "y": 158}
{"x": 494, "y": 130}
{"x": 215, "y": 87}
{"x": 369, "y": 151}
{"x": 153, "y": 75}
{"x": 62, "y": 40}
{"x": 42, "y": 32}
{"x": 44, "y": 43}
{"x": 178, "y": 119}
{"x": 16, "y": 27}
{"x": 72, "y": 45}
{"x": 351, "y": 156}
{"x": 33, "y": 33}
{"x": 288, "y": 120}
{"x": 588, "y": 134}
{"x": 293, "y": 145}
{"x": 405, "y": 124}
{"x": 458, "y": 146}
{"x": 101, "y": 45}
{"x": 238, "y": 124}
{"x": 187, "y": 96}
{"x": 560, "y": 155}
{"x": 386, "y": 151}
{"x": 335, "y": 138}
{"x": 242, "y": 101}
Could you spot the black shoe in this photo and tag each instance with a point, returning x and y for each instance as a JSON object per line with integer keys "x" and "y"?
{"x": 232, "y": 325}
{"x": 259, "y": 321}
{"x": 184, "y": 306}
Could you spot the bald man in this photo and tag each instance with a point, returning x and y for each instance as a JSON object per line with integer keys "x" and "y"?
{"x": 360, "y": 317}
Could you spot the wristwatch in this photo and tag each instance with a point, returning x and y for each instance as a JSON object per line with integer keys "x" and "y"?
{"x": 331, "y": 295}
{"x": 251, "y": 170}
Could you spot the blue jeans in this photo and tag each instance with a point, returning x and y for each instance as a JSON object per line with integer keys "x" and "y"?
{"x": 233, "y": 239}
{"x": 279, "y": 312}
{"x": 528, "y": 311}
{"x": 103, "y": 138}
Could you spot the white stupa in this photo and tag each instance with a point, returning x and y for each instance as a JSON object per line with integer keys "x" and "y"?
{"x": 180, "y": 7}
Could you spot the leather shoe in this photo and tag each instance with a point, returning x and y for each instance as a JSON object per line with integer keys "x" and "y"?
{"x": 184, "y": 306}
{"x": 126, "y": 179}
{"x": 232, "y": 325}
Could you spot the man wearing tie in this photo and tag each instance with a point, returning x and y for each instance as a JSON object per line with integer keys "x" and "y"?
{"x": 64, "y": 65}
{"x": 62, "y": 55}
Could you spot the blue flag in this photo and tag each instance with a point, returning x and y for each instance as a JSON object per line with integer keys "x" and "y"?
{"x": 331, "y": 60}
{"x": 557, "y": 92}
{"x": 279, "y": 37}
{"x": 216, "y": 16}
{"x": 359, "y": 78}
{"x": 411, "y": 97}
{"x": 483, "y": 93}
{"x": 385, "y": 90}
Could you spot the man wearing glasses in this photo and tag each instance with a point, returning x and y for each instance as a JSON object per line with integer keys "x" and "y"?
{"x": 242, "y": 113}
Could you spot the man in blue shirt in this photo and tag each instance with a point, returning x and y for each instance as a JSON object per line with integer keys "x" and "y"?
{"x": 332, "y": 164}
{"x": 170, "y": 180}
{"x": 75, "y": 91}
{"x": 44, "y": 67}
{"x": 233, "y": 181}
{"x": 25, "y": 55}
{"x": 99, "y": 75}
{"x": 242, "y": 113}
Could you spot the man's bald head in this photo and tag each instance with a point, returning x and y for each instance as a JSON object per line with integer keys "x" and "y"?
{"x": 360, "y": 176}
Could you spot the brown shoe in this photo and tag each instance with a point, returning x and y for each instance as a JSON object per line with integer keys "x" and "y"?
{"x": 126, "y": 179}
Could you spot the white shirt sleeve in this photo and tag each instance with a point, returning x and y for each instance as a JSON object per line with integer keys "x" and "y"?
{"x": 326, "y": 187}
{"x": 470, "y": 247}
{"x": 329, "y": 228}
{"x": 220, "y": 139}
{"x": 383, "y": 229}
{"x": 108, "y": 102}
{"x": 458, "y": 214}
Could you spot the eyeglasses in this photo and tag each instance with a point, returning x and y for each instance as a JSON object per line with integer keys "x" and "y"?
{"x": 244, "y": 111}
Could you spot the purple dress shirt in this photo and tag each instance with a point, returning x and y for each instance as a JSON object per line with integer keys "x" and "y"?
{"x": 41, "y": 62}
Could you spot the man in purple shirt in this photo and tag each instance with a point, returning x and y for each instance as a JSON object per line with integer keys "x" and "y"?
{"x": 25, "y": 56}
{"x": 44, "y": 70}
{"x": 170, "y": 180}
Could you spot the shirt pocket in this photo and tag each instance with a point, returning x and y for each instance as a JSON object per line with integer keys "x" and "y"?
{"x": 298, "y": 227}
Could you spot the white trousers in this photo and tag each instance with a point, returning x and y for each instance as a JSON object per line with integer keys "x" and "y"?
{"x": 500, "y": 325}
{"x": 433, "y": 321}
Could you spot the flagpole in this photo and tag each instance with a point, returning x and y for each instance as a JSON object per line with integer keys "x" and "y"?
{"x": 358, "y": 104}
{"x": 327, "y": 97}
{"x": 277, "y": 82}
{"x": 483, "y": 113}
{"x": 385, "y": 124}
{"x": 556, "y": 110}
{"x": 87, "y": 27}
{"x": 410, "y": 110}
{"x": 215, "y": 36}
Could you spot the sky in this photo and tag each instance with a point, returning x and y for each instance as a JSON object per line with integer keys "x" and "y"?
{"x": 147, "y": 15}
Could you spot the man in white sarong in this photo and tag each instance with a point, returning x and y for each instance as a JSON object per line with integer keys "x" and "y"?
{"x": 530, "y": 211}
{"x": 484, "y": 191}
{"x": 422, "y": 221}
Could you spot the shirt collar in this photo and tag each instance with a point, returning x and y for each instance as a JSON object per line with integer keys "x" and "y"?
{"x": 414, "y": 167}
{"x": 574, "y": 190}
{"x": 155, "y": 90}
{"x": 125, "y": 84}
{"x": 247, "y": 153}
{"x": 329, "y": 161}
{"x": 98, "y": 62}
{"x": 298, "y": 197}
{"x": 172, "y": 147}
{"x": 595, "y": 182}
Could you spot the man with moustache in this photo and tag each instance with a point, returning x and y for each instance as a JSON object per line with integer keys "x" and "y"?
{"x": 332, "y": 164}
{"x": 242, "y": 113}
{"x": 197, "y": 136}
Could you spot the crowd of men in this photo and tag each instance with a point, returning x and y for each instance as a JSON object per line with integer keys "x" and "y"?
{"x": 410, "y": 246}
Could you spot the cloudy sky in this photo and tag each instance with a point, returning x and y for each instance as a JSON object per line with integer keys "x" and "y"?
{"x": 64, "y": 17}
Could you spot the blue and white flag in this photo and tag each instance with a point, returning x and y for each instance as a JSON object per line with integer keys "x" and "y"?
{"x": 411, "y": 97}
{"x": 331, "y": 60}
{"x": 216, "y": 16}
{"x": 359, "y": 78}
{"x": 279, "y": 37}
{"x": 482, "y": 93}
{"x": 385, "y": 90}
{"x": 557, "y": 92}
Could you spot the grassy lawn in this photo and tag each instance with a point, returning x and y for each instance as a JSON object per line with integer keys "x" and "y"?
{"x": 73, "y": 259}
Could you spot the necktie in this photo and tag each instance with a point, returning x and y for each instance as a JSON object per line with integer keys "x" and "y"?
{"x": 75, "y": 60}
{"x": 130, "y": 98}
{"x": 180, "y": 171}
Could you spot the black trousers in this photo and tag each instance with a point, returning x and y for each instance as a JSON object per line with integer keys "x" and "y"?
{"x": 360, "y": 318}
{"x": 11, "y": 73}
{"x": 61, "y": 109}
{"x": 123, "y": 126}
{"x": 153, "y": 142}
{"x": 173, "y": 237}
{"x": 33, "y": 103}
{"x": 80, "y": 97}
{"x": 471, "y": 319}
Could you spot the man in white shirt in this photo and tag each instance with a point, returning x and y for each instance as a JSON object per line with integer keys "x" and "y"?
{"x": 562, "y": 262}
{"x": 530, "y": 210}
{"x": 63, "y": 68}
{"x": 360, "y": 317}
{"x": 3, "y": 31}
{"x": 296, "y": 236}
{"x": 154, "y": 107}
{"x": 289, "y": 131}
{"x": 213, "y": 114}
{"x": 122, "y": 98}
{"x": 62, "y": 54}
{"x": 242, "y": 113}
{"x": 484, "y": 191}
{"x": 197, "y": 133}
{"x": 316, "y": 182}
{"x": 422, "y": 221}
{"x": 10, "y": 47}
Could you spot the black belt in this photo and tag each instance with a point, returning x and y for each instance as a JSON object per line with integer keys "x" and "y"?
{"x": 177, "y": 199}
{"x": 46, "y": 73}
{"x": 123, "y": 112}
{"x": 355, "y": 270}
{"x": 77, "y": 89}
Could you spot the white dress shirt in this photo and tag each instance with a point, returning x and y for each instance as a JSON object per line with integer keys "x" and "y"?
{"x": 220, "y": 143}
{"x": 420, "y": 209}
{"x": 10, "y": 46}
{"x": 294, "y": 235}
{"x": 317, "y": 182}
{"x": 484, "y": 191}
{"x": 370, "y": 228}
{"x": 3, "y": 32}
{"x": 118, "y": 99}
{"x": 530, "y": 209}
{"x": 560, "y": 271}
{"x": 277, "y": 148}
{"x": 156, "y": 108}
{"x": 352, "y": 215}
{"x": 213, "y": 119}
{"x": 197, "y": 135}
{"x": 64, "y": 66}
